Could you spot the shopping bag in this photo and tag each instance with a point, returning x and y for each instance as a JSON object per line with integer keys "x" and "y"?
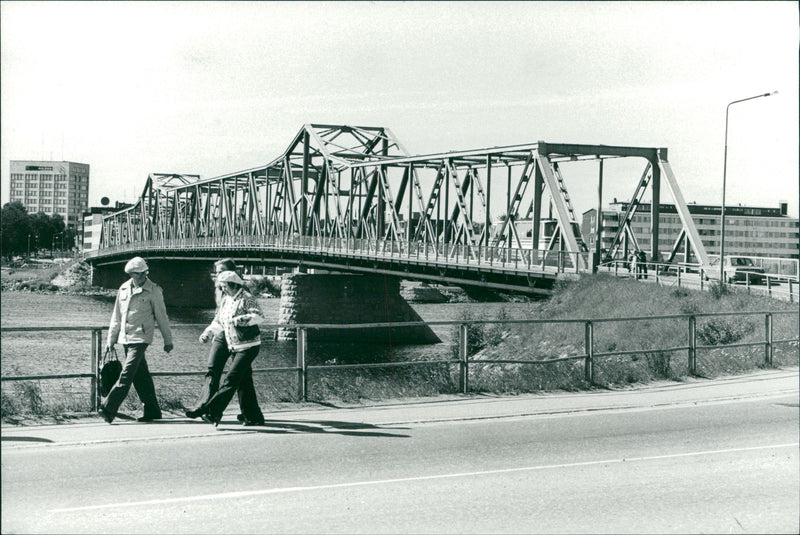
{"x": 110, "y": 371}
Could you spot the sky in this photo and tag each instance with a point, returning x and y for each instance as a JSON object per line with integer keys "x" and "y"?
{"x": 210, "y": 88}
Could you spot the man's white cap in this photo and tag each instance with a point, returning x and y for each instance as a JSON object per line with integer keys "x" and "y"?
{"x": 136, "y": 265}
{"x": 230, "y": 276}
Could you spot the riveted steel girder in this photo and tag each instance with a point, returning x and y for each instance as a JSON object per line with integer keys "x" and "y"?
{"x": 337, "y": 181}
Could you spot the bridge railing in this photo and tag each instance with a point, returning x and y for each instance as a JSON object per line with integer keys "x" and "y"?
{"x": 446, "y": 254}
{"x": 589, "y": 355}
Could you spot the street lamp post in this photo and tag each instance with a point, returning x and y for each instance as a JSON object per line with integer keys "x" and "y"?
{"x": 724, "y": 175}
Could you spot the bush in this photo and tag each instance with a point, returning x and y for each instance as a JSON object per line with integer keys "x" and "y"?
{"x": 719, "y": 331}
{"x": 262, "y": 285}
{"x": 479, "y": 335}
{"x": 25, "y": 398}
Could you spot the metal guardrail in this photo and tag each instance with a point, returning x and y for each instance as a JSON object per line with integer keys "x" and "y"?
{"x": 589, "y": 354}
{"x": 694, "y": 276}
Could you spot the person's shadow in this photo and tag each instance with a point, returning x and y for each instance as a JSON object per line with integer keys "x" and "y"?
{"x": 318, "y": 427}
{"x": 25, "y": 439}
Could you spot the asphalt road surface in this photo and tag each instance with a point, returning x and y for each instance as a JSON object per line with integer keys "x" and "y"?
{"x": 722, "y": 464}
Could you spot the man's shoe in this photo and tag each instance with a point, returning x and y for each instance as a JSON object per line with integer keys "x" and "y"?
{"x": 148, "y": 418}
{"x": 240, "y": 417}
{"x": 105, "y": 415}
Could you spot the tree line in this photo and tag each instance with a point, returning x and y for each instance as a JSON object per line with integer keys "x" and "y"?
{"x": 24, "y": 233}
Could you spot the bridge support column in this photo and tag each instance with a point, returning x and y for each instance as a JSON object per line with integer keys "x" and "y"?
{"x": 108, "y": 276}
{"x": 186, "y": 283}
{"x": 334, "y": 298}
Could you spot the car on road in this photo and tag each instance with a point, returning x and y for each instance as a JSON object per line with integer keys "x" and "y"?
{"x": 737, "y": 269}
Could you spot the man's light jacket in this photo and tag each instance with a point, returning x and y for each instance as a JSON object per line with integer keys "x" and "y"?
{"x": 136, "y": 313}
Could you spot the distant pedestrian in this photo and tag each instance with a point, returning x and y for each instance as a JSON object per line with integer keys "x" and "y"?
{"x": 139, "y": 307}
{"x": 237, "y": 318}
{"x": 642, "y": 264}
{"x": 632, "y": 264}
{"x": 217, "y": 358}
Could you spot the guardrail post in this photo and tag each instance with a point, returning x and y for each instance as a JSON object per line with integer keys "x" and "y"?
{"x": 589, "y": 343}
{"x": 302, "y": 369}
{"x": 679, "y": 276}
{"x": 768, "y": 348}
{"x": 692, "y": 345}
{"x": 791, "y": 296}
{"x": 94, "y": 392}
{"x": 769, "y": 287}
{"x": 463, "y": 376}
{"x": 702, "y": 276}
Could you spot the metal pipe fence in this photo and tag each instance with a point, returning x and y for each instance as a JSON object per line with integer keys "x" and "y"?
{"x": 694, "y": 276}
{"x": 589, "y": 355}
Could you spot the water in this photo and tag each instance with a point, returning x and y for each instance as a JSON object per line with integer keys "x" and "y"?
{"x": 56, "y": 352}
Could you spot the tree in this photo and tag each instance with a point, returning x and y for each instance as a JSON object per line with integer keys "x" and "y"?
{"x": 15, "y": 227}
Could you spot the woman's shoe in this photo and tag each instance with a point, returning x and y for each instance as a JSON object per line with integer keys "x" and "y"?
{"x": 211, "y": 419}
{"x": 193, "y": 413}
{"x": 107, "y": 416}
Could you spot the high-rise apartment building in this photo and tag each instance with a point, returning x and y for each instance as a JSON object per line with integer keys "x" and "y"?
{"x": 52, "y": 188}
{"x": 749, "y": 231}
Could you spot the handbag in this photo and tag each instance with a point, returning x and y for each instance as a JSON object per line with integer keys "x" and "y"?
{"x": 110, "y": 371}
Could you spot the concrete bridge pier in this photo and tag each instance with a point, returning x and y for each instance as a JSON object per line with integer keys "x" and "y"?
{"x": 345, "y": 298}
{"x": 185, "y": 283}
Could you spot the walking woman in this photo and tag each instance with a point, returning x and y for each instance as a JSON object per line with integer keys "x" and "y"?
{"x": 238, "y": 317}
{"x": 218, "y": 356}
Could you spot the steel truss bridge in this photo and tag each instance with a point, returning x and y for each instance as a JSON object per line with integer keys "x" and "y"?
{"x": 351, "y": 198}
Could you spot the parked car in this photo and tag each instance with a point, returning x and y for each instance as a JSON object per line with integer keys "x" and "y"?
{"x": 737, "y": 268}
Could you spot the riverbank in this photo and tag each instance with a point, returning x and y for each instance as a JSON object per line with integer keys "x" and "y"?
{"x": 74, "y": 278}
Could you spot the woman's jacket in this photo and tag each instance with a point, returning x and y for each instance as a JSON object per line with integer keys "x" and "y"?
{"x": 238, "y": 317}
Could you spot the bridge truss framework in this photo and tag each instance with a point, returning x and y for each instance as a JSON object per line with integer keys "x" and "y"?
{"x": 351, "y": 182}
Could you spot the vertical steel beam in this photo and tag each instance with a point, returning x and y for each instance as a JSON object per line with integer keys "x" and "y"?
{"x": 304, "y": 187}
{"x": 536, "y": 215}
{"x": 655, "y": 211}
{"x": 410, "y": 205}
{"x": 488, "y": 222}
{"x": 598, "y": 226}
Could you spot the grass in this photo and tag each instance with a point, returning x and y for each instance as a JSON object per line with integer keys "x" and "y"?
{"x": 593, "y": 297}
{"x": 590, "y": 297}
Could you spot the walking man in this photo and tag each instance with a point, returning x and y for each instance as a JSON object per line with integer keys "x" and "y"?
{"x": 139, "y": 307}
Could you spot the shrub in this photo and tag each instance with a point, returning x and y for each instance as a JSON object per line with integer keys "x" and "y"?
{"x": 25, "y": 397}
{"x": 719, "y": 331}
{"x": 718, "y": 290}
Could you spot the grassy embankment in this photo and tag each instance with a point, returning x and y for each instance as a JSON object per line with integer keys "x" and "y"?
{"x": 591, "y": 297}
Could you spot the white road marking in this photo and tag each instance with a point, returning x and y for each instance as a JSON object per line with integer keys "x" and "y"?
{"x": 240, "y": 494}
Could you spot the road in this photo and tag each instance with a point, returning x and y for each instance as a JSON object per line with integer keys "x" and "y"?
{"x": 709, "y": 456}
